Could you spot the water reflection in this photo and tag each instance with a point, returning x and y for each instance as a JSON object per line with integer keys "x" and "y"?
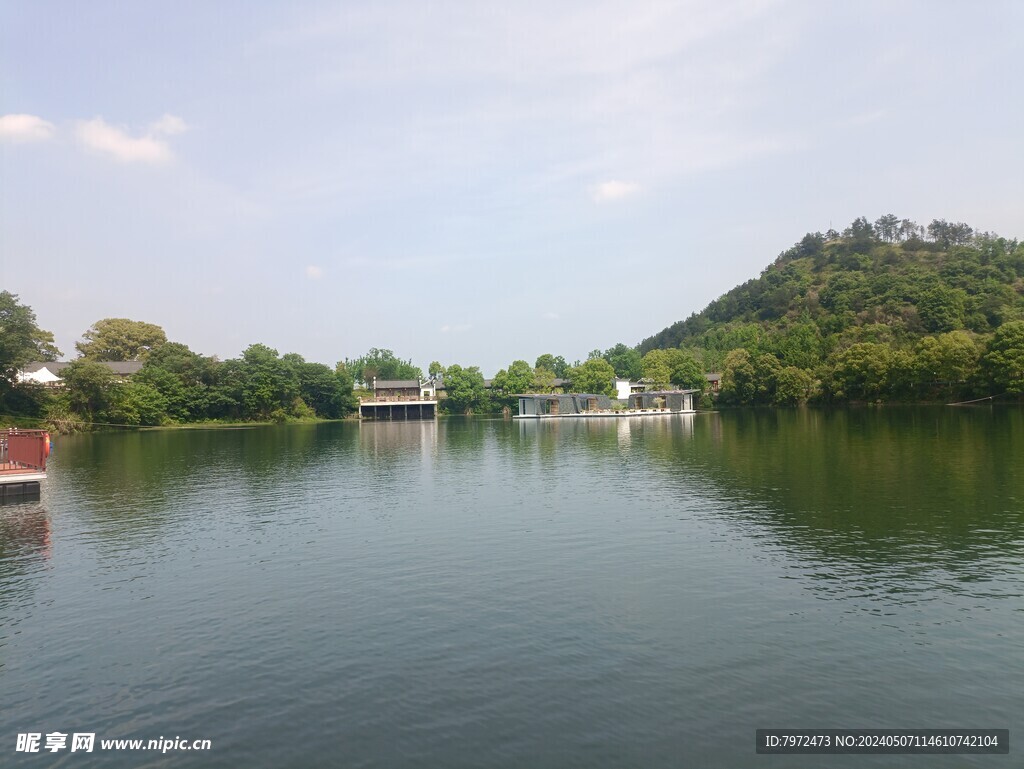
{"x": 25, "y": 549}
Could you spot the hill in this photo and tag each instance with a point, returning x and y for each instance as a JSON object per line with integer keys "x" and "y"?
{"x": 882, "y": 310}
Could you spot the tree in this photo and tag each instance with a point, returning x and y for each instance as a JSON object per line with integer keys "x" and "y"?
{"x": 949, "y": 359}
{"x": 655, "y": 368}
{"x": 941, "y": 308}
{"x": 137, "y": 403}
{"x": 118, "y": 339}
{"x": 793, "y": 385}
{"x": 595, "y": 376}
{"x": 381, "y": 364}
{"x": 322, "y": 390}
{"x": 268, "y": 383}
{"x": 625, "y": 360}
{"x": 1004, "y": 357}
{"x": 21, "y": 342}
{"x": 88, "y": 388}
{"x": 686, "y": 372}
{"x": 464, "y": 388}
{"x": 435, "y": 369}
{"x": 543, "y": 380}
{"x": 888, "y": 227}
{"x": 184, "y": 378}
{"x": 738, "y": 384}
{"x": 861, "y": 370}
{"x": 554, "y": 363}
{"x": 518, "y": 378}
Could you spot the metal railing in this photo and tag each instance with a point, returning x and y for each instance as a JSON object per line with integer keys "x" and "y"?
{"x": 24, "y": 449}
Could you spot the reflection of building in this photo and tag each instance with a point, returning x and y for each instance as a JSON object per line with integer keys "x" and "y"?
{"x": 383, "y": 439}
{"x": 400, "y": 399}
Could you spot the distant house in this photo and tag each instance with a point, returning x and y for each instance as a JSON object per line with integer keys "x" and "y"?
{"x": 402, "y": 389}
{"x": 714, "y": 381}
{"x": 624, "y": 388}
{"x": 48, "y": 372}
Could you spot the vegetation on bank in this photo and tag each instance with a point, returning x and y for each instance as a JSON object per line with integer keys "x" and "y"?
{"x": 885, "y": 311}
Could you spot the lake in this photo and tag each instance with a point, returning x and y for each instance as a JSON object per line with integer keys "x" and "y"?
{"x": 492, "y": 593}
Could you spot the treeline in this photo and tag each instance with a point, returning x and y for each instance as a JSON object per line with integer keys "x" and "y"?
{"x": 176, "y": 385}
{"x": 888, "y": 310}
{"x": 173, "y": 385}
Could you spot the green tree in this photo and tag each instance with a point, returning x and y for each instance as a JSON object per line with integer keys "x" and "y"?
{"x": 554, "y": 363}
{"x": 543, "y": 380}
{"x": 861, "y": 370}
{"x": 381, "y": 364}
{"x": 184, "y": 378}
{"x": 947, "y": 361}
{"x": 625, "y": 360}
{"x": 793, "y": 386}
{"x": 178, "y": 402}
{"x": 595, "y": 376}
{"x": 89, "y": 389}
{"x": 322, "y": 390}
{"x": 435, "y": 369}
{"x": 518, "y": 378}
{"x": 137, "y": 403}
{"x": 941, "y": 308}
{"x": 464, "y": 389}
{"x": 1004, "y": 357}
{"x": 21, "y": 342}
{"x": 738, "y": 383}
{"x": 686, "y": 372}
{"x": 655, "y": 368}
{"x": 119, "y": 339}
{"x": 268, "y": 384}
{"x": 766, "y": 377}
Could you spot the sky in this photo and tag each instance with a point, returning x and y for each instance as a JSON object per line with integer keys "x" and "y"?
{"x": 475, "y": 182}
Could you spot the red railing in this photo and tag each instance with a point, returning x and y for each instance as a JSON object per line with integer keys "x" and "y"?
{"x": 24, "y": 449}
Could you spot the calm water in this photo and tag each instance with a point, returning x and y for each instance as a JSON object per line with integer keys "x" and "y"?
{"x": 495, "y": 594}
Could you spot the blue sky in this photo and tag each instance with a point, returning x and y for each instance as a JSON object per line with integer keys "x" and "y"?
{"x": 475, "y": 182}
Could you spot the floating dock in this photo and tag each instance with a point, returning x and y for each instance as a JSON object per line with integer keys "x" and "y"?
{"x": 23, "y": 456}
{"x": 590, "y": 406}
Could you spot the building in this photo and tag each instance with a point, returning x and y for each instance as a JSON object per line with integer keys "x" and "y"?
{"x": 400, "y": 399}
{"x": 48, "y": 373}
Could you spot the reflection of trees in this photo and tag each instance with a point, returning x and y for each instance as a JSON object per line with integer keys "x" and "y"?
{"x": 133, "y": 484}
{"x": 908, "y": 486}
{"x": 24, "y": 544}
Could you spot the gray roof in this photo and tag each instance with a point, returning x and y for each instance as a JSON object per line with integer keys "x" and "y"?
{"x": 396, "y": 384}
{"x": 123, "y": 367}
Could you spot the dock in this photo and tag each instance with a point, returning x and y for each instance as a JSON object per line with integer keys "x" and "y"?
{"x": 23, "y": 456}
{"x": 398, "y": 407}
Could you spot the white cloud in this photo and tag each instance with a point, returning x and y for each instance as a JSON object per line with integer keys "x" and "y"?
{"x": 455, "y": 328}
{"x": 313, "y": 272}
{"x": 25, "y": 128}
{"x": 169, "y": 125}
{"x": 613, "y": 190}
{"x": 552, "y": 316}
{"x": 97, "y": 134}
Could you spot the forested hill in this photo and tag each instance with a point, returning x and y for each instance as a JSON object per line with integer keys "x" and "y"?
{"x": 891, "y": 283}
